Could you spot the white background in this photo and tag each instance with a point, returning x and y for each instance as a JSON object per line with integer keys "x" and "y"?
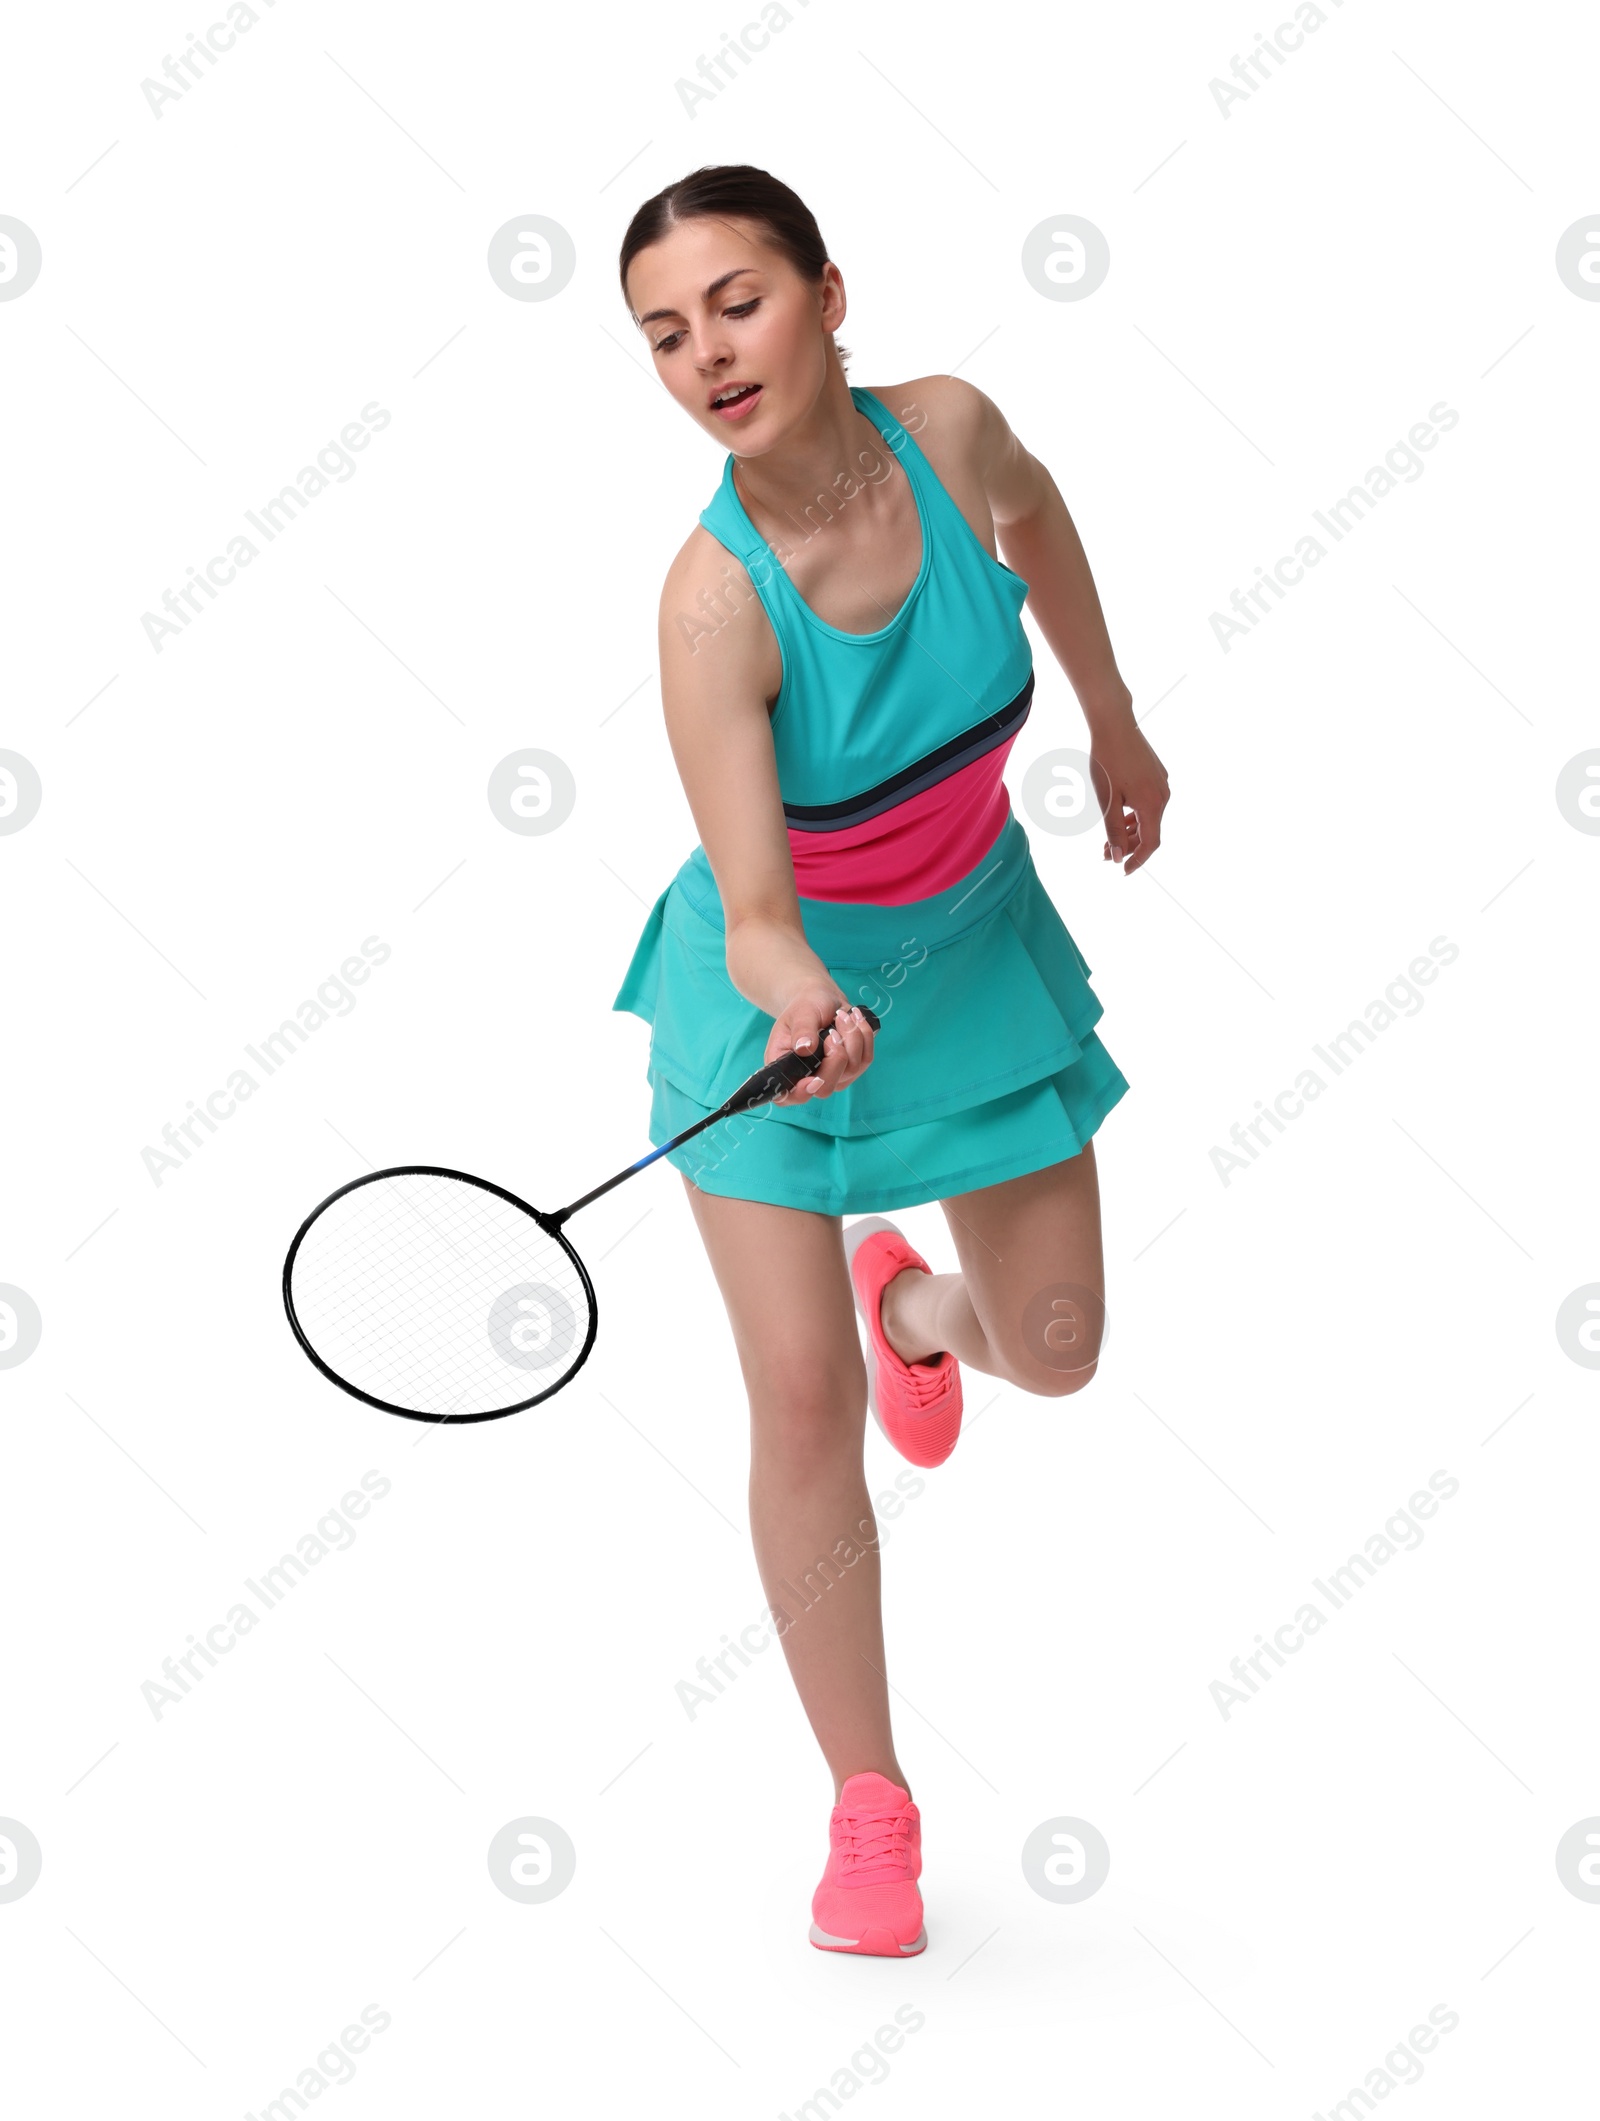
{"x": 1292, "y": 1354}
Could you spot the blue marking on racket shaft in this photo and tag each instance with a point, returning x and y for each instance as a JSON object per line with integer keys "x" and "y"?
{"x": 555, "y": 1220}
{"x": 561, "y": 1216}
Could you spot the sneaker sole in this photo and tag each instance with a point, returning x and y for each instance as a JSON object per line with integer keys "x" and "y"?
{"x": 876, "y": 1944}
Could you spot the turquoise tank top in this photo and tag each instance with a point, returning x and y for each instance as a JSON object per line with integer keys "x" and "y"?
{"x": 891, "y": 744}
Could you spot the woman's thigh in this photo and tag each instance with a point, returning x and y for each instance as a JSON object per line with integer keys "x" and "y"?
{"x": 1031, "y": 1258}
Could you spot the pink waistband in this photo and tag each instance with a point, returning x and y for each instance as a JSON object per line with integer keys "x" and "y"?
{"x": 920, "y": 847}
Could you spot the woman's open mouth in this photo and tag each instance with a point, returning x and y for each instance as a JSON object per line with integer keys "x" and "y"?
{"x": 737, "y": 401}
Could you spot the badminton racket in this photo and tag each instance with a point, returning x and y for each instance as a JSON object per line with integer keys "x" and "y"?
{"x": 433, "y": 1294}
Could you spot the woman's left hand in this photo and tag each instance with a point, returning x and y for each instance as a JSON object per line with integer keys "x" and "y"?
{"x": 1131, "y": 784}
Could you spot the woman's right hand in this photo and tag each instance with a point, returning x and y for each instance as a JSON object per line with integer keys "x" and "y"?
{"x": 821, "y": 1012}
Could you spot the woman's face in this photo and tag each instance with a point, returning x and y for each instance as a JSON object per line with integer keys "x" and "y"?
{"x": 718, "y": 307}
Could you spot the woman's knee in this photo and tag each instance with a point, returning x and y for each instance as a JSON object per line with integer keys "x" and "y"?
{"x": 804, "y": 1423}
{"x": 1047, "y": 1383}
{"x": 1053, "y": 1354}
{"x": 1053, "y": 1348}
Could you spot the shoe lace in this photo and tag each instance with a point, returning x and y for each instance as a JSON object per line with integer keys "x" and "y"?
{"x": 925, "y": 1383}
{"x": 873, "y": 1837}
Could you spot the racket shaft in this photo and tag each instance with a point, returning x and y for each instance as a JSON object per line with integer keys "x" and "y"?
{"x": 764, "y": 1080}
{"x": 770, "y": 1080}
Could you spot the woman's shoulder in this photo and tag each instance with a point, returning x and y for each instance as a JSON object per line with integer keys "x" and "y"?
{"x": 707, "y": 586}
{"x": 954, "y": 425}
{"x": 702, "y": 561}
{"x": 946, "y": 409}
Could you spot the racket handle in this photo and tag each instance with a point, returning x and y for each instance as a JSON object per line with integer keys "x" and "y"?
{"x": 781, "y": 1073}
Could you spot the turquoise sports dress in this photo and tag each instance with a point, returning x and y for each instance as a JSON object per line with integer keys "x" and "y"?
{"x": 917, "y": 890}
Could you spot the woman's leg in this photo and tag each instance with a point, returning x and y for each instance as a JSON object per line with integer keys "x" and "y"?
{"x": 784, "y": 1281}
{"x": 1029, "y": 1302}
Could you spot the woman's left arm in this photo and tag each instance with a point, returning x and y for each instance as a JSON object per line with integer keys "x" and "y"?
{"x": 1039, "y": 539}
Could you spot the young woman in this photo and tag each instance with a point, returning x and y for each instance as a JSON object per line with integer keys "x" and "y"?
{"x": 843, "y": 672}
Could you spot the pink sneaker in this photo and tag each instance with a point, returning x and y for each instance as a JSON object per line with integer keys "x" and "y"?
{"x": 868, "y": 1900}
{"x": 917, "y": 1405}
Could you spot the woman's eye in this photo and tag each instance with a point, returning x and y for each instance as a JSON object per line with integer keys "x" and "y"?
{"x": 666, "y": 345}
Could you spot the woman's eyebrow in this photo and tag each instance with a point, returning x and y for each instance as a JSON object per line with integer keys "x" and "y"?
{"x": 716, "y": 286}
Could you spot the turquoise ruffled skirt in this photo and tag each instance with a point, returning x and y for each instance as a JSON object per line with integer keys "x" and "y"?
{"x": 987, "y": 1065}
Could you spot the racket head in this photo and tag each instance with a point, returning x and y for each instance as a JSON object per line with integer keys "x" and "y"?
{"x": 438, "y": 1296}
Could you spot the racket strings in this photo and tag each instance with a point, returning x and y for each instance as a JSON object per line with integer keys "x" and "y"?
{"x": 435, "y": 1295}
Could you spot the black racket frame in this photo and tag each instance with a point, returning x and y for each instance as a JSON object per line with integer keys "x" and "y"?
{"x": 547, "y": 1223}
{"x": 771, "y": 1079}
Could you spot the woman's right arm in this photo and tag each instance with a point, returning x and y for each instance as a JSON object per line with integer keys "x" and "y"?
{"x": 716, "y": 668}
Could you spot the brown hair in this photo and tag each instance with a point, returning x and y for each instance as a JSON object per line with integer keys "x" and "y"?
{"x": 734, "y": 188}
